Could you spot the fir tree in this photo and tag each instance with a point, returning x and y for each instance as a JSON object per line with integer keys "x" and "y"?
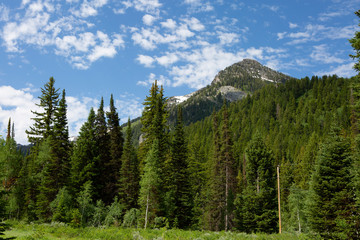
{"x": 60, "y": 148}
{"x": 116, "y": 147}
{"x": 102, "y": 156}
{"x": 129, "y": 173}
{"x": 256, "y": 205}
{"x": 178, "y": 195}
{"x": 355, "y": 43}
{"x": 83, "y": 156}
{"x": 331, "y": 203}
{"x": 228, "y": 162}
{"x": 44, "y": 121}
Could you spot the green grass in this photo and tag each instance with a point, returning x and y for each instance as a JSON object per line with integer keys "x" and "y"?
{"x": 62, "y": 231}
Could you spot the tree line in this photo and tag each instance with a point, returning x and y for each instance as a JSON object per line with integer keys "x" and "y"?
{"x": 217, "y": 174}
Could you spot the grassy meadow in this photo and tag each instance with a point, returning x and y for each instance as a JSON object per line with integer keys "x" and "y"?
{"x": 35, "y": 231}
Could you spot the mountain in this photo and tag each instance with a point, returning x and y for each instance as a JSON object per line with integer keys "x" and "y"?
{"x": 232, "y": 84}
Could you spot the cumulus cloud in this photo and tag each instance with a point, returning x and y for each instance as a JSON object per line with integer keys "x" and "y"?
{"x": 162, "y": 80}
{"x": 199, "y": 6}
{"x": 343, "y": 70}
{"x": 147, "y": 61}
{"x": 89, "y": 8}
{"x": 148, "y": 19}
{"x": 321, "y": 54}
{"x": 148, "y": 6}
{"x": 169, "y": 23}
{"x": 4, "y": 13}
{"x": 67, "y": 36}
{"x": 318, "y": 32}
{"x": 17, "y": 104}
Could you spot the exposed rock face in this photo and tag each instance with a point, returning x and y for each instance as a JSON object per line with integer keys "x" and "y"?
{"x": 231, "y": 94}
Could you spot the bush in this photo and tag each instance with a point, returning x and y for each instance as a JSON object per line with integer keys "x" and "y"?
{"x": 115, "y": 212}
{"x": 132, "y": 218}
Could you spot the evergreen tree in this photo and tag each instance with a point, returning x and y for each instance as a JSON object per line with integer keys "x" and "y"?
{"x": 331, "y": 203}
{"x": 44, "y": 121}
{"x": 355, "y": 43}
{"x": 60, "y": 149}
{"x": 102, "y": 156}
{"x": 178, "y": 195}
{"x": 116, "y": 148}
{"x": 129, "y": 173}
{"x": 228, "y": 162}
{"x": 256, "y": 205}
{"x": 216, "y": 206}
{"x": 83, "y": 156}
{"x": 149, "y": 185}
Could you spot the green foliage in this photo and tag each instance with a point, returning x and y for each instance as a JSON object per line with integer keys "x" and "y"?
{"x": 256, "y": 205}
{"x": 149, "y": 185}
{"x": 85, "y": 203}
{"x": 62, "y": 206}
{"x": 355, "y": 43}
{"x": 331, "y": 201}
{"x": 99, "y": 213}
{"x": 132, "y": 218}
{"x": 129, "y": 173}
{"x": 114, "y": 214}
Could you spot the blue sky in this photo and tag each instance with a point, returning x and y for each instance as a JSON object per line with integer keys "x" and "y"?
{"x": 95, "y": 48}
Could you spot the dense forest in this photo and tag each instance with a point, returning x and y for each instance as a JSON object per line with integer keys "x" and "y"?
{"x": 219, "y": 173}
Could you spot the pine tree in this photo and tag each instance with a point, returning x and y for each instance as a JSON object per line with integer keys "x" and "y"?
{"x": 116, "y": 148}
{"x": 355, "y": 43}
{"x": 102, "y": 156}
{"x": 178, "y": 196}
{"x": 256, "y": 205}
{"x": 83, "y": 157}
{"x": 331, "y": 203}
{"x": 216, "y": 206}
{"x": 129, "y": 173}
{"x": 60, "y": 148}
{"x": 228, "y": 162}
{"x": 44, "y": 121}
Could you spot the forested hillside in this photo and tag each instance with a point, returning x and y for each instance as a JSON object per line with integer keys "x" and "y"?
{"x": 219, "y": 173}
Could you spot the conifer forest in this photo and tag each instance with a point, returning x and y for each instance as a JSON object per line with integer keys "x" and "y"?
{"x": 292, "y": 145}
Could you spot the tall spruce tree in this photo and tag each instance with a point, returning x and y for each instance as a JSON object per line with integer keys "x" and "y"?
{"x": 355, "y": 43}
{"x": 331, "y": 203}
{"x": 216, "y": 205}
{"x": 129, "y": 173}
{"x": 178, "y": 190}
{"x": 60, "y": 148}
{"x": 44, "y": 121}
{"x": 83, "y": 165}
{"x": 154, "y": 120}
{"x": 229, "y": 167}
{"x": 116, "y": 148}
{"x": 103, "y": 156}
{"x": 256, "y": 205}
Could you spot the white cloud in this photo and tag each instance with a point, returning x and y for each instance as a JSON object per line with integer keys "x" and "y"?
{"x": 17, "y": 105}
{"x": 194, "y": 24}
{"x": 148, "y": 19}
{"x": 147, "y": 61}
{"x": 293, "y": 25}
{"x": 128, "y": 105}
{"x": 317, "y": 32}
{"x": 321, "y": 54}
{"x": 169, "y": 23}
{"x": 89, "y": 8}
{"x": 148, "y": 6}
{"x": 344, "y": 70}
{"x": 199, "y": 6}
{"x": 162, "y": 80}
{"x": 228, "y": 38}
{"x": 4, "y": 13}
{"x": 168, "y": 59}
